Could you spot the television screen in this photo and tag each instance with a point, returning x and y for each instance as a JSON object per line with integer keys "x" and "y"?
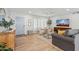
{"x": 62, "y": 22}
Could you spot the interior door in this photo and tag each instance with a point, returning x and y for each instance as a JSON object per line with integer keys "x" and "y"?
{"x": 20, "y": 25}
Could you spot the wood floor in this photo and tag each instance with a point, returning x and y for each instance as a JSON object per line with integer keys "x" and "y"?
{"x": 34, "y": 42}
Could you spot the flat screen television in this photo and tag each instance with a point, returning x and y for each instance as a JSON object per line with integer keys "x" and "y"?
{"x": 62, "y": 22}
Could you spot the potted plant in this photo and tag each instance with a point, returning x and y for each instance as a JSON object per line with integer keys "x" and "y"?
{"x": 49, "y": 22}
{"x": 6, "y": 24}
{"x": 4, "y": 48}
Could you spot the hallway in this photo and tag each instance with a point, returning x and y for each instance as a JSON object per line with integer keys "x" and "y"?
{"x": 34, "y": 42}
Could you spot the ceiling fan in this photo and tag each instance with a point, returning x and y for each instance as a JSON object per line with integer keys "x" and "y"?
{"x": 77, "y": 12}
{"x": 2, "y": 11}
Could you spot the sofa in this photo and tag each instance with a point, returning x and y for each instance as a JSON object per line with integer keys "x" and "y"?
{"x": 65, "y": 42}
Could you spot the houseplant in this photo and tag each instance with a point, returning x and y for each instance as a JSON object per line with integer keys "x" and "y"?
{"x": 6, "y": 24}
{"x": 49, "y": 22}
{"x": 4, "y": 48}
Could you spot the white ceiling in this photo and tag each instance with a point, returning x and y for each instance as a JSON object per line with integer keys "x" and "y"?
{"x": 42, "y": 11}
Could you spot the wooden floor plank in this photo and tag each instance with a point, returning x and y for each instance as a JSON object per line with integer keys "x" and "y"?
{"x": 34, "y": 42}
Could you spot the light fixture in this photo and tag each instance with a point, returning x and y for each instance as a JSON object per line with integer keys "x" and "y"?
{"x": 29, "y": 12}
{"x": 67, "y": 9}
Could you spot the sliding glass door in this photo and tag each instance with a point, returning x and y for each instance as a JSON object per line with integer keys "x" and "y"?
{"x": 25, "y": 25}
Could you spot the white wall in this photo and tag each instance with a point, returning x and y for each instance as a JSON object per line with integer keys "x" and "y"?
{"x": 56, "y": 18}
{"x": 74, "y": 20}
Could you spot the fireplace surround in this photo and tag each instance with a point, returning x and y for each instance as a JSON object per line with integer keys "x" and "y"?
{"x": 61, "y": 29}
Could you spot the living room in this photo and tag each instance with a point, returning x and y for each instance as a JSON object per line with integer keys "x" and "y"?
{"x": 37, "y": 25}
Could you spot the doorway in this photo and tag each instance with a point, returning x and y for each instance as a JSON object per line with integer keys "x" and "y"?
{"x": 20, "y": 25}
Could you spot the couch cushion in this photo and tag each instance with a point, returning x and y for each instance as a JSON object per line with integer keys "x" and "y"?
{"x": 71, "y": 31}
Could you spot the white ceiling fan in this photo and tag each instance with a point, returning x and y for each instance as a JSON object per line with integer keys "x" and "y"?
{"x": 2, "y": 11}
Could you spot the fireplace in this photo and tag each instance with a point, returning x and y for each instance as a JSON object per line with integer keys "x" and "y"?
{"x": 60, "y": 30}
